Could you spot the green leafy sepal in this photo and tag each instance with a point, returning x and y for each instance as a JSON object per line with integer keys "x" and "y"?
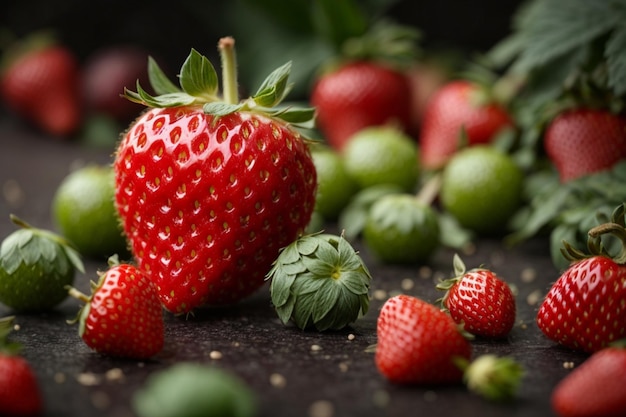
{"x": 320, "y": 281}
{"x": 199, "y": 86}
{"x": 492, "y": 377}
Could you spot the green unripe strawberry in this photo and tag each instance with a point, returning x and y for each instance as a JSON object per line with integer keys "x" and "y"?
{"x": 335, "y": 187}
{"x": 193, "y": 390}
{"x": 400, "y": 229}
{"x": 35, "y": 267}
{"x": 482, "y": 188}
{"x": 83, "y": 209}
{"x": 319, "y": 281}
{"x": 382, "y": 155}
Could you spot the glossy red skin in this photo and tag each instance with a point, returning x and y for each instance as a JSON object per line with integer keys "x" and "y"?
{"x": 106, "y": 73}
{"x": 586, "y": 308}
{"x": 595, "y": 388}
{"x": 207, "y": 204}
{"x": 124, "y": 317}
{"x": 20, "y": 395}
{"x": 417, "y": 343}
{"x": 583, "y": 141}
{"x": 483, "y": 303}
{"x": 358, "y": 95}
{"x": 450, "y": 109}
{"x": 42, "y": 87}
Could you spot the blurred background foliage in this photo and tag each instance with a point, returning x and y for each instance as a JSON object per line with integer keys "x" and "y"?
{"x": 268, "y": 32}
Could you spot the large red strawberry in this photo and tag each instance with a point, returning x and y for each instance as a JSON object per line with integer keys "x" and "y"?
{"x": 209, "y": 189}
{"x": 459, "y": 111}
{"x": 358, "y": 95}
{"x": 418, "y": 343}
{"x": 40, "y": 83}
{"x": 583, "y": 141}
{"x": 123, "y": 315}
{"x": 584, "y": 309}
{"x": 595, "y": 388}
{"x": 479, "y": 300}
{"x": 20, "y": 395}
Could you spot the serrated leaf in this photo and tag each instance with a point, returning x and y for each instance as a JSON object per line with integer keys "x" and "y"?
{"x": 219, "y": 109}
{"x": 616, "y": 60}
{"x": 162, "y": 101}
{"x": 198, "y": 77}
{"x": 557, "y": 27}
{"x": 159, "y": 81}
{"x": 306, "y": 283}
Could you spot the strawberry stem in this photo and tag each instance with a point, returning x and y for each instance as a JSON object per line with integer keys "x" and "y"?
{"x": 226, "y": 47}
{"x": 73, "y": 292}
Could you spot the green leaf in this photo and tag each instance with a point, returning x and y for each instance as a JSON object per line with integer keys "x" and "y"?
{"x": 357, "y": 282}
{"x": 198, "y": 77}
{"x": 303, "y": 310}
{"x": 292, "y": 269}
{"x": 306, "y": 245}
{"x": 325, "y": 299}
{"x": 285, "y": 310}
{"x": 274, "y": 87}
{"x": 616, "y": 59}
{"x": 280, "y": 288}
{"x": 221, "y": 109}
{"x": 290, "y": 253}
{"x": 159, "y": 81}
{"x": 299, "y": 117}
{"x": 555, "y": 27}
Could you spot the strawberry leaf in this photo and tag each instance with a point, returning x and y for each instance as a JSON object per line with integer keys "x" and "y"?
{"x": 274, "y": 87}
{"x": 158, "y": 80}
{"x": 220, "y": 108}
{"x": 198, "y": 77}
{"x": 616, "y": 60}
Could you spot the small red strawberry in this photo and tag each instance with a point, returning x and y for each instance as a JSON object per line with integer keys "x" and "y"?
{"x": 585, "y": 308}
{"x": 479, "y": 300}
{"x": 583, "y": 141}
{"x": 595, "y": 388}
{"x": 418, "y": 343}
{"x": 458, "y": 108}
{"x": 123, "y": 315}
{"x": 209, "y": 189}
{"x": 358, "y": 95}
{"x": 106, "y": 72}
{"x": 20, "y": 395}
{"x": 40, "y": 83}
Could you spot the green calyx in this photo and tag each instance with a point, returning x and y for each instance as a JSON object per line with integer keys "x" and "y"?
{"x": 596, "y": 245}
{"x": 31, "y": 246}
{"x": 320, "y": 281}
{"x": 199, "y": 87}
{"x": 495, "y": 378}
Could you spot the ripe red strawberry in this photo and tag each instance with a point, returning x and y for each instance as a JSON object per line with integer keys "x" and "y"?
{"x": 583, "y": 141}
{"x": 459, "y": 106}
{"x": 123, "y": 315}
{"x": 20, "y": 395}
{"x": 584, "y": 309}
{"x": 418, "y": 343}
{"x": 479, "y": 300}
{"x": 41, "y": 85}
{"x": 210, "y": 191}
{"x": 595, "y": 388}
{"x": 358, "y": 95}
{"x": 105, "y": 74}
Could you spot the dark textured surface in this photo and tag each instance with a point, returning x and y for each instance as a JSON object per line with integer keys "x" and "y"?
{"x": 332, "y": 367}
